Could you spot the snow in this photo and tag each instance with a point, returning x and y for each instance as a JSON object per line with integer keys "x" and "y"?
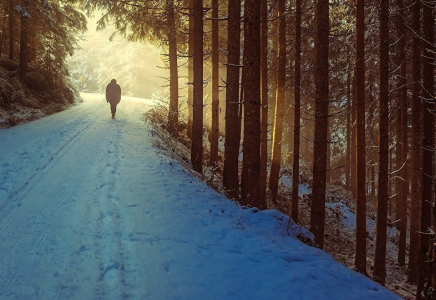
{"x": 89, "y": 209}
{"x": 348, "y": 218}
{"x": 286, "y": 181}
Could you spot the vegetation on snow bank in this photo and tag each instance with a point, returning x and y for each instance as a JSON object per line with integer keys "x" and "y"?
{"x": 38, "y": 95}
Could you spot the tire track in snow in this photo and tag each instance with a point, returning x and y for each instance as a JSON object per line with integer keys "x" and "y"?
{"x": 105, "y": 219}
{"x": 99, "y": 244}
{"x": 23, "y": 191}
{"x": 105, "y": 223}
{"x": 19, "y": 255}
{"x": 60, "y": 131}
{"x": 38, "y": 244}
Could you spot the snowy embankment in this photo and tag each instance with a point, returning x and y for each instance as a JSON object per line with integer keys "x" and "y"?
{"x": 89, "y": 209}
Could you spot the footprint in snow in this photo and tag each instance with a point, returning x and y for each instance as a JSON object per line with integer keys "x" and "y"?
{"x": 110, "y": 273}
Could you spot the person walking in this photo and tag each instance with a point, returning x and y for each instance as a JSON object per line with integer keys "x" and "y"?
{"x": 113, "y": 96}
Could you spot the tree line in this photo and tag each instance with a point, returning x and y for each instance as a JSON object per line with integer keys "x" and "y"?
{"x": 346, "y": 87}
{"x": 40, "y": 32}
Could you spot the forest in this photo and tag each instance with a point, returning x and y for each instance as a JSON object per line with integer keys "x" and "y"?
{"x": 336, "y": 94}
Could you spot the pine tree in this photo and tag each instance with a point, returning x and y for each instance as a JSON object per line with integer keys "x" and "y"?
{"x": 11, "y": 18}
{"x": 197, "y": 121}
{"x": 317, "y": 216}
{"x": 232, "y": 127}
{"x": 297, "y": 109}
{"x": 383, "y": 161}
{"x": 214, "y": 130}
{"x": 24, "y": 50}
{"x": 360, "y": 180}
{"x": 349, "y": 117}
{"x": 428, "y": 146}
{"x": 190, "y": 66}
{"x": 279, "y": 103}
{"x": 402, "y": 182}
{"x": 415, "y": 143}
{"x": 264, "y": 104}
{"x": 251, "y": 84}
{"x": 173, "y": 111}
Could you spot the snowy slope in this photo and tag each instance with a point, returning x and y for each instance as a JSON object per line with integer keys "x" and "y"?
{"x": 90, "y": 210}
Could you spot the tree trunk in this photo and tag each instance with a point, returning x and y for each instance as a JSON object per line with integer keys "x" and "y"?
{"x": 251, "y": 146}
{"x": 288, "y": 139}
{"x": 428, "y": 143}
{"x": 415, "y": 144}
{"x": 24, "y": 51}
{"x": 279, "y": 104}
{"x": 383, "y": 160}
{"x": 173, "y": 111}
{"x": 329, "y": 153}
{"x": 402, "y": 185}
{"x": 297, "y": 108}
{"x": 190, "y": 67}
{"x": 317, "y": 216}
{"x": 360, "y": 258}
{"x": 373, "y": 183}
{"x": 11, "y": 30}
{"x": 353, "y": 139}
{"x": 2, "y": 38}
{"x": 273, "y": 71}
{"x": 214, "y": 129}
{"x": 197, "y": 122}
{"x": 32, "y": 46}
{"x": 231, "y": 153}
{"x": 264, "y": 109}
{"x": 349, "y": 112}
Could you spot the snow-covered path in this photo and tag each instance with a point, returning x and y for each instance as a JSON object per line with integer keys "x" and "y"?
{"x": 90, "y": 210}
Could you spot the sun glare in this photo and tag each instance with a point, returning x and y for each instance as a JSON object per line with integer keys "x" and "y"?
{"x": 103, "y": 55}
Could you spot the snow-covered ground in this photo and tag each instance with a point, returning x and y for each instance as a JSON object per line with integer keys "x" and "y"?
{"x": 89, "y": 209}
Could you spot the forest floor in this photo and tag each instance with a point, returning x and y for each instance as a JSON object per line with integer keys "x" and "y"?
{"x": 33, "y": 97}
{"x": 340, "y": 208}
{"x": 92, "y": 208}
{"x": 340, "y": 238}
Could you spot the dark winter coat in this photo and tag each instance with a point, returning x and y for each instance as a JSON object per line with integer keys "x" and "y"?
{"x": 113, "y": 93}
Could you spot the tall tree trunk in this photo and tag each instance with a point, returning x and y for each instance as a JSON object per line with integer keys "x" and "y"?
{"x": 173, "y": 111}
{"x": 428, "y": 144}
{"x": 403, "y": 183}
{"x": 231, "y": 152}
{"x": 214, "y": 129}
{"x": 32, "y": 47}
{"x": 251, "y": 146}
{"x": 416, "y": 144}
{"x": 197, "y": 122}
{"x": 11, "y": 30}
{"x": 329, "y": 153}
{"x": 288, "y": 139}
{"x": 360, "y": 258}
{"x": 279, "y": 107}
{"x": 297, "y": 111}
{"x": 264, "y": 108}
{"x": 383, "y": 160}
{"x": 273, "y": 70}
{"x": 353, "y": 139}
{"x": 373, "y": 183}
{"x": 2, "y": 38}
{"x": 349, "y": 112}
{"x": 24, "y": 51}
{"x": 190, "y": 67}
{"x": 317, "y": 216}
